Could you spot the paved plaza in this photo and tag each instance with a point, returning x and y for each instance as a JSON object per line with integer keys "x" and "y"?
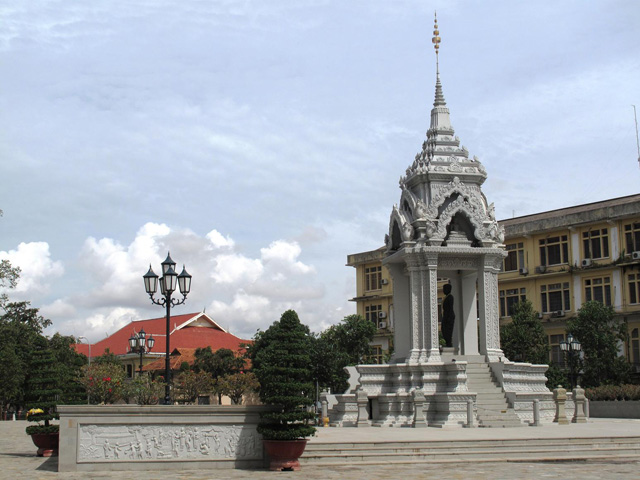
{"x": 18, "y": 460}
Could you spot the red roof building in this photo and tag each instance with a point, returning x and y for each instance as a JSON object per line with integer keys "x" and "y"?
{"x": 189, "y": 331}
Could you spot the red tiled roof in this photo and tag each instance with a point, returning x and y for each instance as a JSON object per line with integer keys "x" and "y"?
{"x": 177, "y": 357}
{"x": 183, "y": 335}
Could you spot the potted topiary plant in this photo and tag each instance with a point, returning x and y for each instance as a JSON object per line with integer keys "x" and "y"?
{"x": 42, "y": 392}
{"x": 282, "y": 363}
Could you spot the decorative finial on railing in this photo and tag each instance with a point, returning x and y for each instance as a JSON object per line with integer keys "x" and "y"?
{"x": 436, "y": 39}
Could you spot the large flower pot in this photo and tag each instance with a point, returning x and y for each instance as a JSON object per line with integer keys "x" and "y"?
{"x": 284, "y": 454}
{"x": 47, "y": 443}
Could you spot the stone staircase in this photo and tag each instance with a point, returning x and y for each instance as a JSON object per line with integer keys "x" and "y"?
{"x": 492, "y": 406}
{"x": 477, "y": 450}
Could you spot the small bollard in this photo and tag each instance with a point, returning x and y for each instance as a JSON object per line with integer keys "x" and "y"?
{"x": 419, "y": 420}
{"x": 586, "y": 408}
{"x": 470, "y": 423}
{"x": 536, "y": 413}
{"x": 325, "y": 413}
{"x": 578, "y": 400}
{"x": 560, "y": 397}
{"x": 363, "y": 416}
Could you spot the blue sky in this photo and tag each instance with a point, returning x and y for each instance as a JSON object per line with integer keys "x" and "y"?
{"x": 262, "y": 142}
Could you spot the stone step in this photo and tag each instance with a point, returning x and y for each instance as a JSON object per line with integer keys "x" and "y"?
{"x": 497, "y": 416}
{"x": 508, "y": 452}
{"x": 491, "y": 400}
{"x": 568, "y": 442}
{"x": 488, "y": 397}
{"x": 484, "y": 391}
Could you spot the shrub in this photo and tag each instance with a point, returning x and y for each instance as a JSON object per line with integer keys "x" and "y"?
{"x": 610, "y": 393}
{"x": 104, "y": 382}
{"x": 143, "y": 390}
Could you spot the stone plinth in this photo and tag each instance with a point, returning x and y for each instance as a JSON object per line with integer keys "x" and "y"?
{"x": 159, "y": 437}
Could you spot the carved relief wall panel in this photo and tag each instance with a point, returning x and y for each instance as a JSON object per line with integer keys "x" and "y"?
{"x": 126, "y": 443}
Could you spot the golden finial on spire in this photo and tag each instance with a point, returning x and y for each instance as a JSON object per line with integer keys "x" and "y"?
{"x": 436, "y": 38}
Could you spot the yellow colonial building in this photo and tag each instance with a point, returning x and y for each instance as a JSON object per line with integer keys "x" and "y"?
{"x": 557, "y": 259}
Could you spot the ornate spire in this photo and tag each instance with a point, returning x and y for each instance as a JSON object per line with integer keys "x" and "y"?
{"x": 436, "y": 39}
{"x": 439, "y": 101}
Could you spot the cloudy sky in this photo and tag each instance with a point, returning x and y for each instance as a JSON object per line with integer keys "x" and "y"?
{"x": 262, "y": 142}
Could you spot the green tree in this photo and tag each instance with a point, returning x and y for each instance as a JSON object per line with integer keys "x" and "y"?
{"x": 524, "y": 339}
{"x": 600, "y": 333}
{"x": 70, "y": 363}
{"x": 282, "y": 363}
{"x": 43, "y": 387}
{"x": 188, "y": 385}
{"x": 218, "y": 364}
{"x": 236, "y": 385}
{"x": 107, "y": 358}
{"x": 8, "y": 279}
{"x": 352, "y": 336}
{"x": 142, "y": 390}
{"x": 12, "y": 373}
{"x": 341, "y": 345}
{"x": 20, "y": 328}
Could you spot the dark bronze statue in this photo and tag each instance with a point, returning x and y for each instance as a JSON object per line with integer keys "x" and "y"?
{"x": 448, "y": 316}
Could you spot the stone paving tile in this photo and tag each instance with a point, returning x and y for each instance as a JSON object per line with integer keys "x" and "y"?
{"x": 18, "y": 461}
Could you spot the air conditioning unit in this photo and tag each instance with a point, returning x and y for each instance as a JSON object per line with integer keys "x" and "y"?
{"x": 384, "y": 281}
{"x": 523, "y": 271}
{"x": 382, "y": 325}
{"x": 557, "y": 314}
{"x": 382, "y": 314}
{"x": 541, "y": 269}
{"x": 635, "y": 255}
{"x": 587, "y": 262}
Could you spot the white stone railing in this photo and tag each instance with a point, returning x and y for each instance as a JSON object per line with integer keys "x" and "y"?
{"x": 523, "y": 383}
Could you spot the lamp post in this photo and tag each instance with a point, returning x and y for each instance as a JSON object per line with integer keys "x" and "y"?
{"x": 89, "y": 366}
{"x": 571, "y": 347}
{"x": 168, "y": 283}
{"x": 141, "y": 344}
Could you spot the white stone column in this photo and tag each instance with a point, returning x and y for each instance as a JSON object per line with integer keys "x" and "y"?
{"x": 431, "y": 313}
{"x": 423, "y": 325}
{"x": 415, "y": 283}
{"x": 489, "y": 319}
{"x": 469, "y": 318}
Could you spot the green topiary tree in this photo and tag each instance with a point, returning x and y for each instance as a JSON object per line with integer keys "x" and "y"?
{"x": 282, "y": 363}
{"x": 43, "y": 388}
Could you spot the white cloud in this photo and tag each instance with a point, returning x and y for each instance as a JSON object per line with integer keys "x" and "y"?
{"x": 220, "y": 241}
{"x": 243, "y": 307}
{"x": 283, "y": 254}
{"x": 235, "y": 268}
{"x": 60, "y": 308}
{"x": 239, "y": 289}
{"x": 112, "y": 320}
{"x": 36, "y": 267}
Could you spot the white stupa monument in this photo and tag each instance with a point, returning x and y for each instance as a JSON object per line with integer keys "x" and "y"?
{"x": 444, "y": 228}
